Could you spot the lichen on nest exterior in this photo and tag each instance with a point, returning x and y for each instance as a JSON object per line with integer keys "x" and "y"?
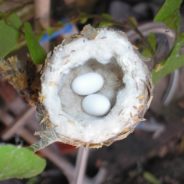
{"x": 127, "y": 84}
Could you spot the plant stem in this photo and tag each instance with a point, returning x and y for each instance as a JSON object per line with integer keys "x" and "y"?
{"x": 82, "y": 158}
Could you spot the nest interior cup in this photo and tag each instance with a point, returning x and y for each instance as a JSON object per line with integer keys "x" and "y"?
{"x": 127, "y": 85}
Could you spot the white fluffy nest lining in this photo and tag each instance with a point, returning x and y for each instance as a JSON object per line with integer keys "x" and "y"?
{"x": 127, "y": 85}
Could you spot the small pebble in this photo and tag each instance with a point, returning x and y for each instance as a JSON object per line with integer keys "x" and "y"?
{"x": 96, "y": 104}
{"x": 87, "y": 83}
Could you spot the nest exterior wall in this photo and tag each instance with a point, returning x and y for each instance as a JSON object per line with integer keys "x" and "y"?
{"x": 131, "y": 101}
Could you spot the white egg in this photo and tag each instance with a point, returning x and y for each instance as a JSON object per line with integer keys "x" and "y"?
{"x": 87, "y": 83}
{"x": 96, "y": 104}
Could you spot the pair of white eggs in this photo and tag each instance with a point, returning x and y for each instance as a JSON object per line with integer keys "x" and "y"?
{"x": 88, "y": 84}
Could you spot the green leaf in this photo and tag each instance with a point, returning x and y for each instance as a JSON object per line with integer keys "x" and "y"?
{"x": 106, "y": 16}
{"x": 8, "y": 38}
{"x": 14, "y": 21}
{"x": 17, "y": 162}
{"x": 9, "y": 34}
{"x": 150, "y": 178}
{"x": 105, "y": 24}
{"x": 173, "y": 62}
{"x": 106, "y": 20}
{"x": 169, "y": 14}
{"x": 83, "y": 18}
{"x": 37, "y": 53}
